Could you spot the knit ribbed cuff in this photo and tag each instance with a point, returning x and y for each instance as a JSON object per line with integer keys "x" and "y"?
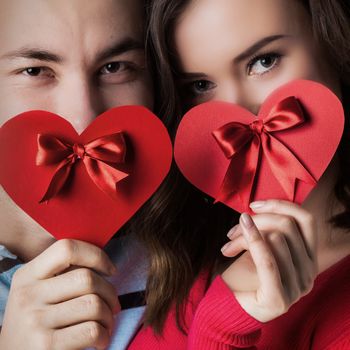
{"x": 221, "y": 323}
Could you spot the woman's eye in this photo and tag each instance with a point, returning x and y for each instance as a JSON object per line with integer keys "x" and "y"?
{"x": 201, "y": 86}
{"x": 263, "y": 64}
{"x": 114, "y": 67}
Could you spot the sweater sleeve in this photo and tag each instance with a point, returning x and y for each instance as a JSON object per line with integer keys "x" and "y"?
{"x": 221, "y": 323}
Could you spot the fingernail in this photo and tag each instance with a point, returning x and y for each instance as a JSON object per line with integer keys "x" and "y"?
{"x": 225, "y": 247}
{"x": 257, "y": 204}
{"x": 247, "y": 220}
{"x": 232, "y": 231}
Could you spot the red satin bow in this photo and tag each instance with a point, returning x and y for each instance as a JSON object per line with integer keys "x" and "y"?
{"x": 246, "y": 144}
{"x": 100, "y": 158}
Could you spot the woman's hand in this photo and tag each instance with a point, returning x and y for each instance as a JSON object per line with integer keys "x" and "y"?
{"x": 282, "y": 242}
{"x": 52, "y": 306}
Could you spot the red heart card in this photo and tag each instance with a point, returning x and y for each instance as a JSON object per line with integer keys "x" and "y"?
{"x": 81, "y": 210}
{"x": 237, "y": 157}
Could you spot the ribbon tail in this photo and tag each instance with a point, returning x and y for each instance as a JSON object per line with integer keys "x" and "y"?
{"x": 285, "y": 165}
{"x": 58, "y": 180}
{"x": 241, "y": 175}
{"x": 104, "y": 176}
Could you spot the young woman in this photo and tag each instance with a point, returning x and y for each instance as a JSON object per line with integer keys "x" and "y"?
{"x": 290, "y": 289}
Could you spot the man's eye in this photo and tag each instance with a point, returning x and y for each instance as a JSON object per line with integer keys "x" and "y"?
{"x": 114, "y": 67}
{"x": 33, "y": 72}
{"x": 37, "y": 72}
{"x": 263, "y": 64}
{"x": 201, "y": 86}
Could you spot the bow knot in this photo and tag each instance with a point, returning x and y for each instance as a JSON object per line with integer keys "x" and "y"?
{"x": 257, "y": 126}
{"x": 101, "y": 158}
{"x": 79, "y": 151}
{"x": 245, "y": 151}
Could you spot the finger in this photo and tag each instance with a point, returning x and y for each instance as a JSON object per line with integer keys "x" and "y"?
{"x": 288, "y": 275}
{"x": 303, "y": 218}
{"x": 305, "y": 267}
{"x": 76, "y": 283}
{"x": 83, "y": 309}
{"x": 287, "y": 226}
{"x": 65, "y": 253}
{"x": 234, "y": 247}
{"x": 234, "y": 231}
{"x": 81, "y": 336}
{"x": 265, "y": 263}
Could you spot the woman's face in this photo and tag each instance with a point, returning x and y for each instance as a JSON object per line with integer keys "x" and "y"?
{"x": 239, "y": 51}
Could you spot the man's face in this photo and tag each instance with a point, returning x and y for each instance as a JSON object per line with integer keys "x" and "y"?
{"x": 75, "y": 58}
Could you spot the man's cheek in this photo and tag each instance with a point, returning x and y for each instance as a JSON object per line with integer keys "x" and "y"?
{"x": 145, "y": 94}
{"x": 17, "y": 100}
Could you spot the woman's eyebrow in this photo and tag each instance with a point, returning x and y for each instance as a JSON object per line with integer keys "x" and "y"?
{"x": 257, "y": 46}
{"x": 190, "y": 75}
{"x": 250, "y": 51}
{"x": 34, "y": 54}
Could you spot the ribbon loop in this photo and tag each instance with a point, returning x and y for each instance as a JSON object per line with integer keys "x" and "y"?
{"x": 246, "y": 144}
{"x": 100, "y": 157}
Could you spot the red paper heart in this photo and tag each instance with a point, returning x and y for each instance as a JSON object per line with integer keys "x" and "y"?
{"x": 314, "y": 143}
{"x": 83, "y": 211}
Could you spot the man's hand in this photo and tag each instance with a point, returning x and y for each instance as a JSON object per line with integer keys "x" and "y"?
{"x": 60, "y": 301}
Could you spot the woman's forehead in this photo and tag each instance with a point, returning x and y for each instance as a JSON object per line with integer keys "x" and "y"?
{"x": 237, "y": 23}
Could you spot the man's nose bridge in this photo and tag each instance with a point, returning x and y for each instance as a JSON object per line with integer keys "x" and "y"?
{"x": 80, "y": 103}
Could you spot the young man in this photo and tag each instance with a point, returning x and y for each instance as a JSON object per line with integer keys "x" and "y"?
{"x": 75, "y": 58}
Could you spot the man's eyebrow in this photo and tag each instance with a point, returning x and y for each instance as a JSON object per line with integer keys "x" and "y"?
{"x": 34, "y": 54}
{"x": 125, "y": 45}
{"x": 257, "y": 46}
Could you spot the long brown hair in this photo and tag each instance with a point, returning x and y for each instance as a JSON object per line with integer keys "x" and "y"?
{"x": 179, "y": 228}
{"x": 187, "y": 232}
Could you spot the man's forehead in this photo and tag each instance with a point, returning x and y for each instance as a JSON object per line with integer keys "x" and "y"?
{"x": 56, "y": 25}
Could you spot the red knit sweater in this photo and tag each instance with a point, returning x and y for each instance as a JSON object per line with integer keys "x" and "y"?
{"x": 320, "y": 320}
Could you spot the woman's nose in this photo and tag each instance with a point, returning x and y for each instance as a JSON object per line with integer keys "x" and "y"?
{"x": 237, "y": 94}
